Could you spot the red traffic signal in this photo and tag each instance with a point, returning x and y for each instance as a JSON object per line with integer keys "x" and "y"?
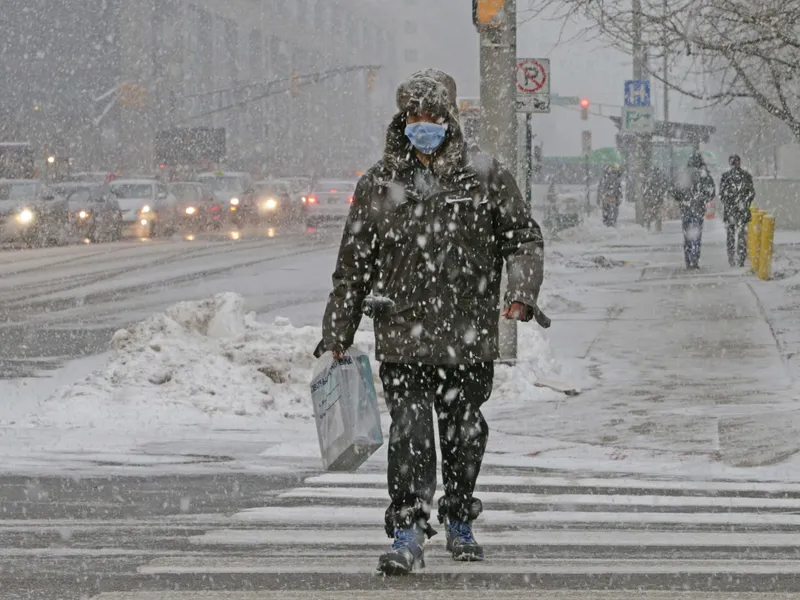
{"x": 584, "y": 109}
{"x": 584, "y": 103}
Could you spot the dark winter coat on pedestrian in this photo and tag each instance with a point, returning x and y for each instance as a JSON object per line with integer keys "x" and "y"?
{"x": 695, "y": 190}
{"x": 737, "y": 192}
{"x": 433, "y": 239}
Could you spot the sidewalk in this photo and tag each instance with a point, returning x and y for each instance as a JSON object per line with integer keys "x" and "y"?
{"x": 680, "y": 368}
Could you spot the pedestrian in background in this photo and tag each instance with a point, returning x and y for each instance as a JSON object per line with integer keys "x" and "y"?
{"x": 695, "y": 190}
{"x": 737, "y": 192}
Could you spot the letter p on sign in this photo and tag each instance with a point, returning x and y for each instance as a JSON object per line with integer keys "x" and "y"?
{"x": 487, "y": 12}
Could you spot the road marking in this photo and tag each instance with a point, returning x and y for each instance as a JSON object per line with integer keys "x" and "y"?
{"x": 371, "y": 536}
{"x": 609, "y": 483}
{"x": 444, "y": 565}
{"x": 564, "y": 499}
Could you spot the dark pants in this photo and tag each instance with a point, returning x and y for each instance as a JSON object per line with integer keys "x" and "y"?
{"x": 457, "y": 393}
{"x": 737, "y": 242}
{"x": 692, "y": 238}
{"x": 610, "y": 214}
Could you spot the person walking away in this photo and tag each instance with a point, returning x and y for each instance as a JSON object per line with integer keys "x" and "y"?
{"x": 609, "y": 192}
{"x": 429, "y": 228}
{"x": 737, "y": 192}
{"x": 696, "y": 191}
{"x": 655, "y": 189}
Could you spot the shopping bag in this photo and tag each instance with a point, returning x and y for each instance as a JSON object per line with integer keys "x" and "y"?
{"x": 346, "y": 410}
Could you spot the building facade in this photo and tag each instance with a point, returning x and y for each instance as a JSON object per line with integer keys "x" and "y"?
{"x": 96, "y": 79}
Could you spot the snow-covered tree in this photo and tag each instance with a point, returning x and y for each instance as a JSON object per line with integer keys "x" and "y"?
{"x": 724, "y": 50}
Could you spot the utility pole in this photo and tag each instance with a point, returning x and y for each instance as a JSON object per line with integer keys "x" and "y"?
{"x": 638, "y": 75}
{"x": 528, "y": 159}
{"x": 497, "y": 25}
{"x": 665, "y": 43}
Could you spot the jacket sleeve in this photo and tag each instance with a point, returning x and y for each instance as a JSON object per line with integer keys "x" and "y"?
{"x": 750, "y": 192}
{"x": 519, "y": 240}
{"x": 352, "y": 278}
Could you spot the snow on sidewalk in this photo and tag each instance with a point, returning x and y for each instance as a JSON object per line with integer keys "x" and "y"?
{"x": 663, "y": 355}
{"x": 186, "y": 378}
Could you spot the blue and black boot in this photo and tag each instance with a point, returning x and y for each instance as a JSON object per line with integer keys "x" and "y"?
{"x": 407, "y": 552}
{"x": 461, "y": 542}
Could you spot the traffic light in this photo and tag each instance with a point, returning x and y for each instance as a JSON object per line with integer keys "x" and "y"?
{"x": 371, "y": 76}
{"x": 584, "y": 109}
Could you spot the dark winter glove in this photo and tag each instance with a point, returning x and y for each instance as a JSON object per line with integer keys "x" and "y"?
{"x": 337, "y": 348}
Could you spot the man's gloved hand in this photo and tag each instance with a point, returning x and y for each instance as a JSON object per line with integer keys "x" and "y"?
{"x": 338, "y": 349}
{"x": 517, "y": 311}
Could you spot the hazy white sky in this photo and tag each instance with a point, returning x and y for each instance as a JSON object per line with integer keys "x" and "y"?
{"x": 580, "y": 67}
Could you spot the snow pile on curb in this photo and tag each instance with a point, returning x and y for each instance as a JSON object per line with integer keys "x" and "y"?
{"x": 208, "y": 363}
{"x": 195, "y": 363}
{"x": 535, "y": 359}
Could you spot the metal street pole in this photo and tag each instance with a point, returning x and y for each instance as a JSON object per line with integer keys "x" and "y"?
{"x": 498, "y": 53}
{"x": 671, "y": 170}
{"x": 638, "y": 72}
{"x": 529, "y": 159}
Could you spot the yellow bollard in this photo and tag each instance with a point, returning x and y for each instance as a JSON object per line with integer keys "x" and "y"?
{"x": 765, "y": 252}
{"x": 751, "y": 236}
{"x": 756, "y": 243}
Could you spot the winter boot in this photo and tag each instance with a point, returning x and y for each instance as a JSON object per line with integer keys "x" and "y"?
{"x": 458, "y": 529}
{"x": 406, "y": 553}
{"x": 460, "y": 541}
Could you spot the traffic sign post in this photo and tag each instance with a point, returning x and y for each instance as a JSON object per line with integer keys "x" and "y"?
{"x": 586, "y": 143}
{"x": 638, "y": 119}
{"x": 586, "y": 150}
{"x": 533, "y": 85}
{"x": 637, "y": 93}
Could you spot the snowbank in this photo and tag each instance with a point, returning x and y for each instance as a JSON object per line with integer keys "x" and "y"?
{"x": 210, "y": 363}
{"x": 194, "y": 362}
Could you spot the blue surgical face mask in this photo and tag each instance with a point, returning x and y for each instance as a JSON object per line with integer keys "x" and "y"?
{"x": 426, "y": 137}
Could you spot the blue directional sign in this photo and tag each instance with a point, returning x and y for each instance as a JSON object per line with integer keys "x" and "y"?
{"x": 637, "y": 93}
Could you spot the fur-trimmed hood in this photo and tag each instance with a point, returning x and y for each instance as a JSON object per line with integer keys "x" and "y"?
{"x": 433, "y": 92}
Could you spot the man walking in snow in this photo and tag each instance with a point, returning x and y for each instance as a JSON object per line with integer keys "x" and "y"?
{"x": 695, "y": 190}
{"x": 428, "y": 231}
{"x": 737, "y": 193}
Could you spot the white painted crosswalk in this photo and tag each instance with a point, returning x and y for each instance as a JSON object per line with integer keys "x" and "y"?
{"x": 549, "y": 533}
{"x": 546, "y": 534}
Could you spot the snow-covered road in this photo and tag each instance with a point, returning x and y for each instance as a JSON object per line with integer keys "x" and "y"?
{"x": 185, "y": 458}
{"x": 60, "y": 303}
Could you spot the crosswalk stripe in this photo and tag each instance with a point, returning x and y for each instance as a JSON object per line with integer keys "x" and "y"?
{"x": 446, "y": 594}
{"x": 347, "y": 515}
{"x": 361, "y": 536}
{"x": 356, "y": 493}
{"x": 274, "y": 565}
{"x": 545, "y": 481}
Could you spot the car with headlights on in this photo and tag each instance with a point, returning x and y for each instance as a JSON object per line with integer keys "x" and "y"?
{"x": 94, "y": 211}
{"x": 275, "y": 202}
{"x": 32, "y": 213}
{"x": 197, "y": 208}
{"x": 329, "y": 201}
{"x": 148, "y": 207}
{"x": 233, "y": 191}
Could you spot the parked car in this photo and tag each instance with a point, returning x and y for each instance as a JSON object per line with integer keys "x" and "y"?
{"x": 276, "y": 203}
{"x": 197, "y": 207}
{"x": 32, "y": 213}
{"x": 330, "y": 200}
{"x": 148, "y": 208}
{"x": 94, "y": 211}
{"x": 234, "y": 193}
